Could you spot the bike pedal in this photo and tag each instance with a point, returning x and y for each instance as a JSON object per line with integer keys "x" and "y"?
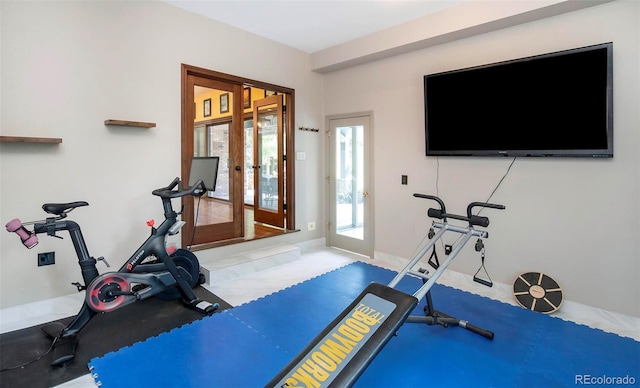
{"x": 64, "y": 350}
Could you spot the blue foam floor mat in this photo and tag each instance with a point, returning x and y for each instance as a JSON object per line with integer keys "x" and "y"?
{"x": 248, "y": 345}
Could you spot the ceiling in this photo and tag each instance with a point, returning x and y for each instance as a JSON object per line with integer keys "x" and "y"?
{"x": 313, "y": 25}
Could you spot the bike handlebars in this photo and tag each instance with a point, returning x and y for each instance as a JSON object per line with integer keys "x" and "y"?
{"x": 472, "y": 219}
{"x": 483, "y": 204}
{"x": 198, "y": 189}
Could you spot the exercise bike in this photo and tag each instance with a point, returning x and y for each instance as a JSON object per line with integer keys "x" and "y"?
{"x": 150, "y": 271}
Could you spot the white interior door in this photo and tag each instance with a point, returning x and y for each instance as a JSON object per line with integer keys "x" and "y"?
{"x": 350, "y": 224}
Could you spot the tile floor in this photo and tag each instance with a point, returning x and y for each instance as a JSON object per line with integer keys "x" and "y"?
{"x": 313, "y": 261}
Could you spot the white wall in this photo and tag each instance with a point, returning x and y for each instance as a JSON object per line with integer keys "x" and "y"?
{"x": 577, "y": 220}
{"x": 65, "y": 67}
{"x": 68, "y": 66}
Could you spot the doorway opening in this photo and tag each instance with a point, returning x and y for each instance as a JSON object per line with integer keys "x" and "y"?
{"x": 350, "y": 183}
{"x": 248, "y": 126}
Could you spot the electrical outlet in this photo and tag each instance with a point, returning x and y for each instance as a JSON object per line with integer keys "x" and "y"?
{"x": 311, "y": 226}
{"x": 46, "y": 258}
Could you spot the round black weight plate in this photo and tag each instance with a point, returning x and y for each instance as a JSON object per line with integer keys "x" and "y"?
{"x": 538, "y": 292}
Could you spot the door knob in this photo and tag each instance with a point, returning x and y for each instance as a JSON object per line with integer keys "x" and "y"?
{"x": 365, "y": 194}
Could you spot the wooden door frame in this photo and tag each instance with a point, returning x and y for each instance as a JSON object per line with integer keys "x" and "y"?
{"x": 187, "y": 147}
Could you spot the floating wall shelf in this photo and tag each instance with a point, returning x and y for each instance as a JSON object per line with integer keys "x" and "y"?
{"x": 125, "y": 123}
{"x": 23, "y": 139}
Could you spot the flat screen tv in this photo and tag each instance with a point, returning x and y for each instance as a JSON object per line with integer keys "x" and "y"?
{"x": 555, "y": 104}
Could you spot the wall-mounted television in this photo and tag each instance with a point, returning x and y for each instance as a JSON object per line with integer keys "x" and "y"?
{"x": 554, "y": 104}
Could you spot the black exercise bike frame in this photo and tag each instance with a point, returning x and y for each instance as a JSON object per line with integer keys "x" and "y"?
{"x": 153, "y": 246}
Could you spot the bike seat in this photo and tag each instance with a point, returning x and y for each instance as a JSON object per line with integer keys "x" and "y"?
{"x": 59, "y": 208}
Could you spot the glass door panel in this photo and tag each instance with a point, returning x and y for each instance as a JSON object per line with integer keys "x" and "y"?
{"x": 267, "y": 146}
{"x": 218, "y": 145}
{"x": 349, "y": 181}
{"x": 249, "y": 190}
{"x": 200, "y": 140}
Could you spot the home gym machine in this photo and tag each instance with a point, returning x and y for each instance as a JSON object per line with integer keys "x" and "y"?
{"x": 344, "y": 349}
{"x": 150, "y": 271}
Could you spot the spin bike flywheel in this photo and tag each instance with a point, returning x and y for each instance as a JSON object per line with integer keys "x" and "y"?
{"x": 99, "y": 294}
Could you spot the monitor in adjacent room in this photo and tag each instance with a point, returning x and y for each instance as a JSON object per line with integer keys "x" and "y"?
{"x": 205, "y": 168}
{"x": 554, "y": 104}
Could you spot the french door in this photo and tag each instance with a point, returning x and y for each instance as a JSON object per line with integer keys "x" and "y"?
{"x": 212, "y": 129}
{"x": 268, "y": 161}
{"x": 218, "y": 118}
{"x": 349, "y": 181}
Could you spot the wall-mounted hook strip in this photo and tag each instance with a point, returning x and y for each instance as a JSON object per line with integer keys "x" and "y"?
{"x": 309, "y": 129}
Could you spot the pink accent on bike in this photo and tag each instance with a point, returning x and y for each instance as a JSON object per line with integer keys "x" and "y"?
{"x": 29, "y": 239}
{"x": 31, "y": 242}
{"x": 13, "y": 225}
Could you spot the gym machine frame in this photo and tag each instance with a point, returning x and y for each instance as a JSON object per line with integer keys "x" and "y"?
{"x": 379, "y": 311}
{"x": 433, "y": 316}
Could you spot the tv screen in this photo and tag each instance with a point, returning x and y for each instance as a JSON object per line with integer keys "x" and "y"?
{"x": 556, "y": 104}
